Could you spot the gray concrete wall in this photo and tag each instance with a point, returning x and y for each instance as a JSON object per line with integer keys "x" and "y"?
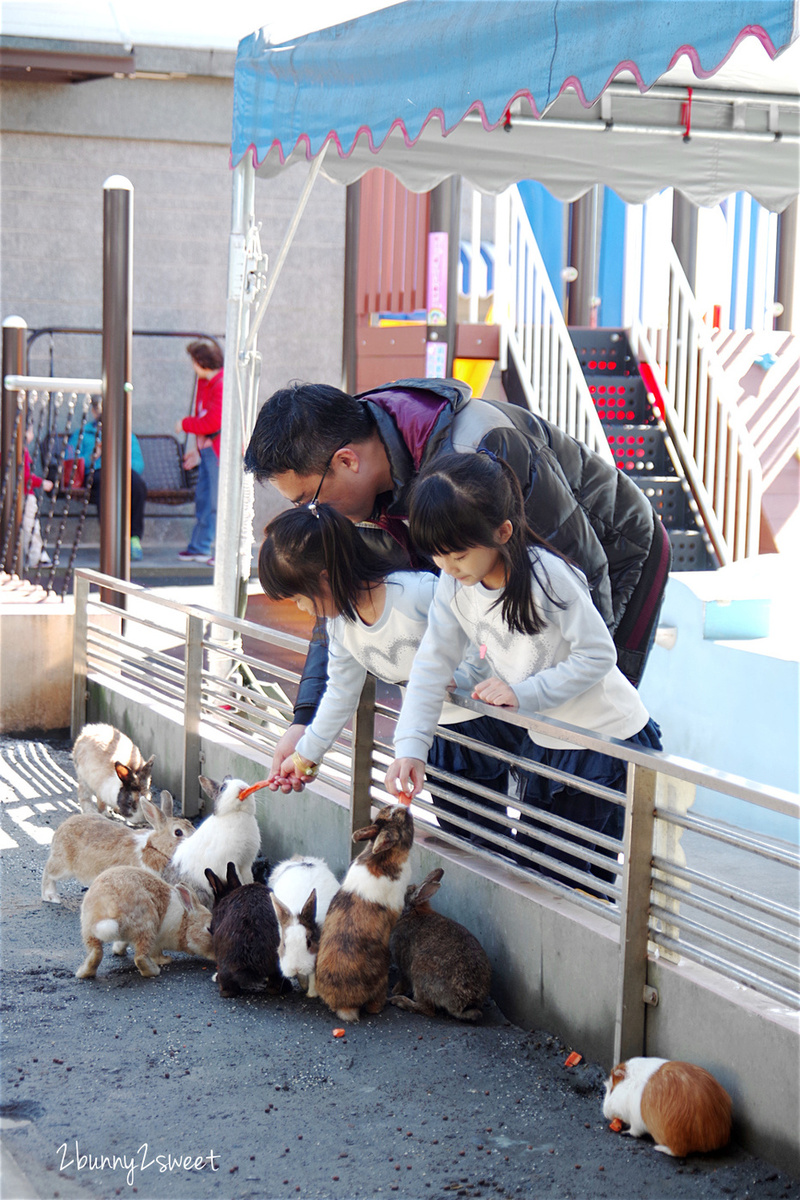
{"x": 171, "y": 138}
{"x": 555, "y": 966}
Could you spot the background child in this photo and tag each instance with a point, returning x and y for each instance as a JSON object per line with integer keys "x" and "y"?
{"x": 377, "y": 618}
{"x": 530, "y": 611}
{"x": 33, "y": 551}
{"x": 89, "y": 444}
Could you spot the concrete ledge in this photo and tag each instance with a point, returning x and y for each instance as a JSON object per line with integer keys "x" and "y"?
{"x": 35, "y": 663}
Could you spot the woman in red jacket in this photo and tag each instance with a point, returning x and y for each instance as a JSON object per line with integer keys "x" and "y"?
{"x": 205, "y": 423}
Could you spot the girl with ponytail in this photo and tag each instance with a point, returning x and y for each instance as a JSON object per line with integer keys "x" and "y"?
{"x": 528, "y": 611}
{"x": 377, "y": 617}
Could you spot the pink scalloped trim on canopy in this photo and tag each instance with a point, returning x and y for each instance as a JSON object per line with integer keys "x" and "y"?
{"x": 477, "y": 106}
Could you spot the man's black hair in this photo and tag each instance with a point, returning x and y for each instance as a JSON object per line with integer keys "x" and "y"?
{"x": 301, "y": 426}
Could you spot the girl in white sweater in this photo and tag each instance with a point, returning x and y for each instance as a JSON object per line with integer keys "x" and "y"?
{"x": 377, "y": 617}
{"x": 529, "y": 612}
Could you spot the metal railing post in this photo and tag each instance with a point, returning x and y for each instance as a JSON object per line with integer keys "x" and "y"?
{"x": 115, "y": 478}
{"x": 12, "y": 437}
{"x": 79, "y": 654}
{"x": 629, "y": 1029}
{"x": 363, "y": 737}
{"x": 193, "y": 667}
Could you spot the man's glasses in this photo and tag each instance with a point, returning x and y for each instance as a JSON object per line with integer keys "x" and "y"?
{"x": 312, "y": 504}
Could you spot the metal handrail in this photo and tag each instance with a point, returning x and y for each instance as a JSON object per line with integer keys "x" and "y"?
{"x": 652, "y": 887}
{"x": 716, "y": 453}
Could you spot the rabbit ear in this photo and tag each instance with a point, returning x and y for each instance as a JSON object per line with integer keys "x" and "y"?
{"x": 233, "y": 879}
{"x": 147, "y": 767}
{"x": 209, "y": 786}
{"x": 283, "y": 913}
{"x": 123, "y": 773}
{"x": 166, "y": 804}
{"x": 366, "y": 834}
{"x": 308, "y": 913}
{"x": 215, "y": 883}
{"x": 429, "y": 887}
{"x": 188, "y": 898}
{"x": 152, "y": 813}
{"x": 385, "y": 840}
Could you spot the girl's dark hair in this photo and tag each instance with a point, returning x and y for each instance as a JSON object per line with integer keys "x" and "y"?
{"x": 301, "y": 543}
{"x": 206, "y": 354}
{"x": 459, "y": 501}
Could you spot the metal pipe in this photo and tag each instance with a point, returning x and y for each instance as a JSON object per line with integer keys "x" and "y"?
{"x": 234, "y": 389}
{"x": 57, "y": 383}
{"x": 445, "y": 217}
{"x": 115, "y": 481}
{"x": 787, "y": 287}
{"x": 12, "y": 434}
{"x": 352, "y": 219}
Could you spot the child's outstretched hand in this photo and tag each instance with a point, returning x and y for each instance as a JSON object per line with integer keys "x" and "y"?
{"x": 494, "y": 691}
{"x": 287, "y": 778}
{"x": 405, "y": 778}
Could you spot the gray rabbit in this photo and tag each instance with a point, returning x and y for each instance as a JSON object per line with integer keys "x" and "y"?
{"x": 440, "y": 962}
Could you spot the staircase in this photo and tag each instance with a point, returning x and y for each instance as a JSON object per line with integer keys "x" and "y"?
{"x": 639, "y": 442}
{"x": 671, "y": 421}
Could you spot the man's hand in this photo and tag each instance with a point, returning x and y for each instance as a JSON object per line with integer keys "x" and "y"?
{"x": 283, "y": 751}
{"x": 191, "y": 459}
{"x": 179, "y": 430}
{"x": 494, "y": 691}
{"x": 405, "y": 778}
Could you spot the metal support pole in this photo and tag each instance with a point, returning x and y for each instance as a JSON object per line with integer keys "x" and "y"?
{"x": 79, "y": 654}
{"x": 349, "y": 332}
{"x": 363, "y": 738}
{"x": 684, "y": 236}
{"x": 787, "y": 284}
{"x": 445, "y": 217}
{"x": 115, "y": 481}
{"x": 193, "y": 668}
{"x": 12, "y": 435}
{"x": 235, "y": 394}
{"x": 584, "y": 256}
{"x": 629, "y": 1030}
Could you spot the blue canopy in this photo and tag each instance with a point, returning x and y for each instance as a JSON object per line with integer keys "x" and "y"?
{"x": 397, "y": 68}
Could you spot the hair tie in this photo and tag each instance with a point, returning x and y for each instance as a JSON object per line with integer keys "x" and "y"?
{"x": 489, "y": 454}
{"x": 312, "y": 508}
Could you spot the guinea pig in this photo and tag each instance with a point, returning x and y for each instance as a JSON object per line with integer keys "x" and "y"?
{"x": 683, "y": 1107}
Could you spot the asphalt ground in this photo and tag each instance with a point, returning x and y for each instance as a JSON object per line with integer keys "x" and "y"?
{"x": 159, "y": 1088}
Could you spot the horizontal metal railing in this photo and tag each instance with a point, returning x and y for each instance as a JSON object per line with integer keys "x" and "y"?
{"x": 194, "y": 662}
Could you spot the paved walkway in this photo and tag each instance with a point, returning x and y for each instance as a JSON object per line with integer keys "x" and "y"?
{"x": 158, "y": 1087}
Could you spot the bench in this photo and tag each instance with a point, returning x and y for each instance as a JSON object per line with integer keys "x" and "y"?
{"x": 166, "y": 479}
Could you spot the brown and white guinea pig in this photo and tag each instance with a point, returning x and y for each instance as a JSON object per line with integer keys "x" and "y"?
{"x": 353, "y": 960}
{"x": 113, "y": 770}
{"x": 683, "y": 1107}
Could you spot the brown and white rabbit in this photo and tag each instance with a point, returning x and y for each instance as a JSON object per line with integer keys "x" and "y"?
{"x": 85, "y": 845}
{"x": 302, "y": 888}
{"x": 230, "y": 834}
{"x": 353, "y": 958}
{"x": 132, "y": 906}
{"x": 683, "y": 1107}
{"x": 113, "y": 770}
{"x": 245, "y": 933}
{"x": 440, "y": 962}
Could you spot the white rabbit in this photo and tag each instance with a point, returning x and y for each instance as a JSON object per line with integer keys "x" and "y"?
{"x": 113, "y": 770}
{"x": 302, "y": 888}
{"x": 85, "y": 845}
{"x": 230, "y": 834}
